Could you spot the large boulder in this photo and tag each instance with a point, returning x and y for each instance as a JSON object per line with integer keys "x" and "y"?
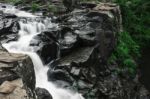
{"x": 17, "y": 66}
{"x": 46, "y": 47}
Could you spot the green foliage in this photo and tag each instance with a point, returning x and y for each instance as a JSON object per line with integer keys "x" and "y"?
{"x": 136, "y": 19}
{"x": 125, "y": 52}
{"x": 35, "y": 7}
{"x": 52, "y": 8}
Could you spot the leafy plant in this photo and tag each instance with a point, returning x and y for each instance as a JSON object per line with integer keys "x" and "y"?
{"x": 35, "y": 7}
{"x": 136, "y": 19}
{"x": 52, "y": 8}
{"x": 125, "y": 52}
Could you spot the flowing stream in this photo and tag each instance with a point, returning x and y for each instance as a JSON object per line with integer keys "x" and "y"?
{"x": 29, "y": 29}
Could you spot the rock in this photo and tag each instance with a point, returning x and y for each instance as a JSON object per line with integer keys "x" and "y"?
{"x": 13, "y": 90}
{"x": 13, "y": 66}
{"x": 7, "y": 87}
{"x": 8, "y": 24}
{"x": 80, "y": 55}
{"x": 70, "y": 4}
{"x": 91, "y": 40}
{"x": 75, "y": 71}
{"x": 46, "y": 47}
{"x": 92, "y": 35}
{"x": 7, "y": 76}
{"x": 68, "y": 41}
{"x": 43, "y": 94}
{"x": 59, "y": 75}
{"x": 87, "y": 5}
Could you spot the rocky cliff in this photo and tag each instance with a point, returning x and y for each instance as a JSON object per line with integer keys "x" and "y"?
{"x": 80, "y": 48}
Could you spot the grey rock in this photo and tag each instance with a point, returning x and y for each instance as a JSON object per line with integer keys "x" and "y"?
{"x": 43, "y": 94}
{"x": 13, "y": 66}
{"x": 46, "y": 47}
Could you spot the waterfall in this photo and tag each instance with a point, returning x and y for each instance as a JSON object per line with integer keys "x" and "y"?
{"x": 29, "y": 29}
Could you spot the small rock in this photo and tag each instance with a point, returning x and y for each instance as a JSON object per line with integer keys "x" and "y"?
{"x": 43, "y": 94}
{"x": 75, "y": 71}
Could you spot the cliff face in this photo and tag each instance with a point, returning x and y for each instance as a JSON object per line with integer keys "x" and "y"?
{"x": 87, "y": 40}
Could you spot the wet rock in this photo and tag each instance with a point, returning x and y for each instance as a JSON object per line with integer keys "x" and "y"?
{"x": 86, "y": 65}
{"x": 8, "y": 38}
{"x": 67, "y": 40}
{"x": 46, "y": 47}
{"x": 80, "y": 55}
{"x": 8, "y": 24}
{"x": 43, "y": 94}
{"x": 13, "y": 66}
{"x": 92, "y": 35}
{"x": 59, "y": 75}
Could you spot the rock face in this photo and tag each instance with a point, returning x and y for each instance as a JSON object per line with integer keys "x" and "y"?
{"x": 87, "y": 39}
{"x": 12, "y": 67}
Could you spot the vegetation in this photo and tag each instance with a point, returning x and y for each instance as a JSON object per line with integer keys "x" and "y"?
{"x": 136, "y": 22}
{"x": 136, "y": 19}
{"x": 136, "y": 35}
{"x": 35, "y": 7}
{"x": 126, "y": 53}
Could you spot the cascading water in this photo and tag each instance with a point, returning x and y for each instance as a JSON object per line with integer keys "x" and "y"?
{"x": 27, "y": 31}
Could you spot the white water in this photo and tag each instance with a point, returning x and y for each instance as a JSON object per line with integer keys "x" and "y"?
{"x": 28, "y": 30}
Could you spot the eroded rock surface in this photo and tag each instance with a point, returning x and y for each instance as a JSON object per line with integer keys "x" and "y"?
{"x": 13, "y": 67}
